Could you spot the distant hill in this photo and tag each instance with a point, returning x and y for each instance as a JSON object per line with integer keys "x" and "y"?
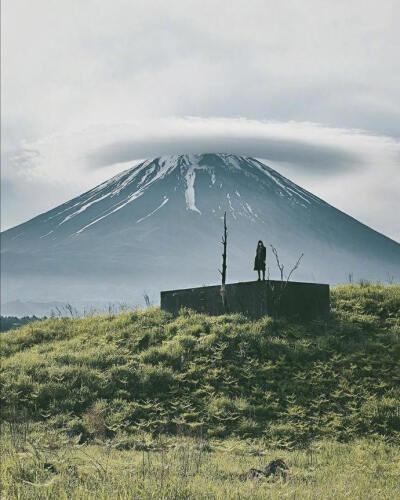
{"x": 226, "y": 376}
{"x": 21, "y": 308}
{"x": 158, "y": 226}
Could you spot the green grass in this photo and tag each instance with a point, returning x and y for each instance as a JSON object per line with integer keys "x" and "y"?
{"x": 49, "y": 466}
{"x": 283, "y": 388}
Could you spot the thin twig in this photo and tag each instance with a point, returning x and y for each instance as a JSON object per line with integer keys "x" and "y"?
{"x": 295, "y": 267}
{"x": 280, "y": 266}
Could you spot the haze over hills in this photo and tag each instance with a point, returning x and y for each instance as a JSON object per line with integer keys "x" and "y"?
{"x": 158, "y": 225}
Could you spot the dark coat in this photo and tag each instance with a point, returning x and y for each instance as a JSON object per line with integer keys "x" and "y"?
{"x": 259, "y": 261}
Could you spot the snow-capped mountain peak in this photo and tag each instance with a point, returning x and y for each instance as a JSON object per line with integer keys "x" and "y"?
{"x": 160, "y": 223}
{"x": 126, "y": 187}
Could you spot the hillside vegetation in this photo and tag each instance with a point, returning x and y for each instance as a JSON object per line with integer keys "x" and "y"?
{"x": 215, "y": 376}
{"x": 143, "y": 405}
{"x": 49, "y": 466}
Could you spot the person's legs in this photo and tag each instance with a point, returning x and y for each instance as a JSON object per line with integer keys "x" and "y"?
{"x": 259, "y": 278}
{"x": 263, "y": 274}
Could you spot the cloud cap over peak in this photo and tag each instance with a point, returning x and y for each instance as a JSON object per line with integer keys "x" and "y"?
{"x": 303, "y": 144}
{"x": 355, "y": 171}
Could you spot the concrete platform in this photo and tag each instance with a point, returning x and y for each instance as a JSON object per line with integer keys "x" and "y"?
{"x": 297, "y": 300}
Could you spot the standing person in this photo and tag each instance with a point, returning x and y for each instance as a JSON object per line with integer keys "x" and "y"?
{"x": 259, "y": 261}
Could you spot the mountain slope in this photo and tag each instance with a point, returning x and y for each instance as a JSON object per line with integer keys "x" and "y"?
{"x": 158, "y": 225}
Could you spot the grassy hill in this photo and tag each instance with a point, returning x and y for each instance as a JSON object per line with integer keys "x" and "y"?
{"x": 144, "y": 405}
{"x": 222, "y": 376}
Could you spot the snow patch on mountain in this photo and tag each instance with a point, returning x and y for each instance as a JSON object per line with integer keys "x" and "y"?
{"x": 47, "y": 234}
{"x": 153, "y": 212}
{"x": 191, "y": 165}
{"x": 146, "y": 175}
{"x": 189, "y": 192}
{"x": 165, "y": 165}
{"x": 231, "y": 206}
{"x": 83, "y": 208}
{"x": 287, "y": 187}
{"x": 131, "y": 198}
{"x": 232, "y": 161}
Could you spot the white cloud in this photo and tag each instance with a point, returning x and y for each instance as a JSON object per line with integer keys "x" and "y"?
{"x": 93, "y": 83}
{"x": 69, "y": 64}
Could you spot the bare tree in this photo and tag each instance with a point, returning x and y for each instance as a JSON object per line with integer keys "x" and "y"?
{"x": 279, "y": 290}
{"x": 224, "y": 266}
{"x": 281, "y": 267}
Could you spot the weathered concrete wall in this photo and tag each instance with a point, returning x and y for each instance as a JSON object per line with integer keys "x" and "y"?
{"x": 304, "y": 301}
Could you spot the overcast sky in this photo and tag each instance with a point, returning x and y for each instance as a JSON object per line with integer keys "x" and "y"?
{"x": 312, "y": 87}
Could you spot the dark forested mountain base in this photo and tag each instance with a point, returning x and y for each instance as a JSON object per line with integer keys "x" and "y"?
{"x": 12, "y": 322}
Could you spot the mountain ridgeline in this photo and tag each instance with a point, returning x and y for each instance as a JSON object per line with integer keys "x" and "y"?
{"x": 158, "y": 225}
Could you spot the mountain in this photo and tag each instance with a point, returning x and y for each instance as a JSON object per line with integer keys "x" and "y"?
{"x": 158, "y": 225}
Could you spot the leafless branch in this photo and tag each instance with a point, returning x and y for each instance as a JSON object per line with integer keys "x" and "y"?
{"x": 295, "y": 267}
{"x": 224, "y": 242}
{"x": 224, "y": 266}
{"x": 278, "y": 291}
{"x": 280, "y": 266}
